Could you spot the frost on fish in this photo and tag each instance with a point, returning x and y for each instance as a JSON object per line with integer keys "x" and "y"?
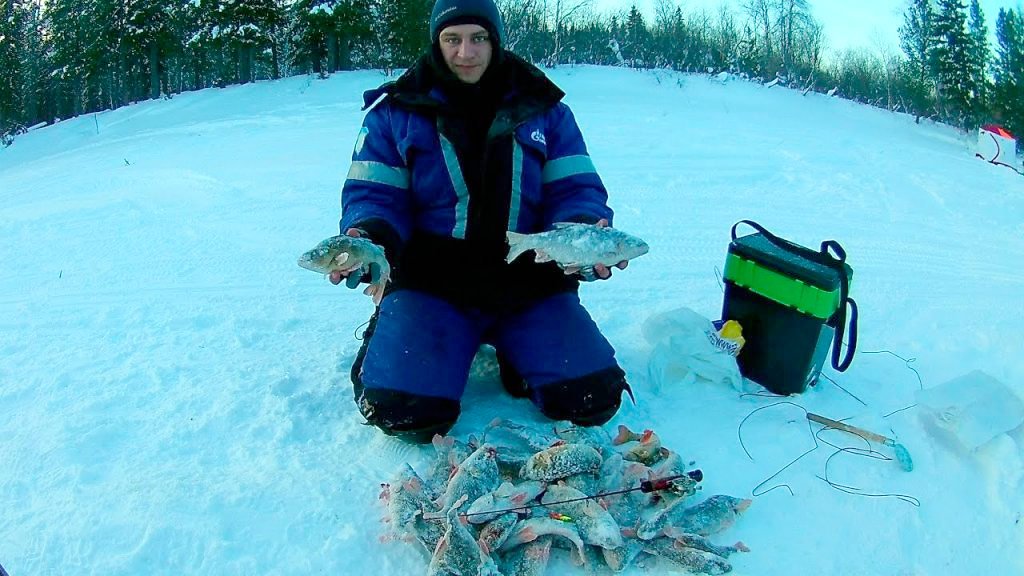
{"x": 596, "y": 510}
{"x": 450, "y": 453}
{"x": 561, "y": 461}
{"x": 505, "y": 497}
{"x": 530, "y": 559}
{"x": 625, "y": 508}
{"x": 577, "y": 246}
{"x": 475, "y": 476}
{"x": 692, "y": 560}
{"x": 458, "y": 552}
{"x": 710, "y": 516}
{"x": 596, "y": 524}
{"x": 407, "y": 501}
{"x": 495, "y": 532}
{"x": 701, "y": 543}
{"x": 517, "y": 437}
{"x": 531, "y": 529}
{"x": 593, "y": 436}
{"x": 618, "y": 559}
{"x": 586, "y": 482}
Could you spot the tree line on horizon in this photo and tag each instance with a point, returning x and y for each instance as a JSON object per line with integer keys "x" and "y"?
{"x": 63, "y": 58}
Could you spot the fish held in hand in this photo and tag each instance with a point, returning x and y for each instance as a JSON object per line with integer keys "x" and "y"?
{"x": 576, "y": 247}
{"x": 353, "y": 256}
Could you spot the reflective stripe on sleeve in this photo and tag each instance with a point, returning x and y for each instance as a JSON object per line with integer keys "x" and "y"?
{"x": 567, "y": 166}
{"x": 379, "y": 173}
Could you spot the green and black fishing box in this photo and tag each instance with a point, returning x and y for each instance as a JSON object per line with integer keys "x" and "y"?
{"x": 791, "y": 303}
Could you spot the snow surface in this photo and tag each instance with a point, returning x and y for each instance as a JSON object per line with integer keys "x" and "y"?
{"x": 174, "y": 389}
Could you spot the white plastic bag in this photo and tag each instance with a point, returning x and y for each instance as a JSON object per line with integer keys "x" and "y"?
{"x": 971, "y": 410}
{"x": 684, "y": 352}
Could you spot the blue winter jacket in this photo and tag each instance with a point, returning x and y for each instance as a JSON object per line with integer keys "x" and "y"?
{"x": 443, "y": 230}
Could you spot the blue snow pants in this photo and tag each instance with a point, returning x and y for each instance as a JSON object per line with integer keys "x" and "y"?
{"x": 411, "y": 374}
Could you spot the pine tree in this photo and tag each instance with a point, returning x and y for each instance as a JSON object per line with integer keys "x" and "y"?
{"x": 149, "y": 39}
{"x": 917, "y": 42}
{"x": 1009, "y": 71}
{"x": 636, "y": 38}
{"x": 950, "y": 62}
{"x": 69, "y": 38}
{"x": 325, "y": 31}
{"x": 978, "y": 61}
{"x": 245, "y": 27}
{"x": 12, "y": 39}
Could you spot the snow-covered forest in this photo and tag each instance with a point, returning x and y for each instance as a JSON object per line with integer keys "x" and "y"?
{"x": 63, "y": 58}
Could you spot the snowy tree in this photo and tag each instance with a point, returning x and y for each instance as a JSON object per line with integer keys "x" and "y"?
{"x": 12, "y": 41}
{"x": 245, "y": 29}
{"x": 978, "y": 62}
{"x": 67, "y": 42}
{"x": 917, "y": 42}
{"x": 636, "y": 38}
{"x": 324, "y": 32}
{"x": 1009, "y": 71}
{"x": 149, "y": 38}
{"x": 950, "y": 63}
{"x": 793, "y": 19}
{"x": 399, "y": 32}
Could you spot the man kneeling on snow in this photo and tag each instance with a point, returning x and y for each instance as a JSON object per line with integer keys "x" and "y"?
{"x": 469, "y": 143}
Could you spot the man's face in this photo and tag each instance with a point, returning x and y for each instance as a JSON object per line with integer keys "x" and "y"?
{"x": 467, "y": 51}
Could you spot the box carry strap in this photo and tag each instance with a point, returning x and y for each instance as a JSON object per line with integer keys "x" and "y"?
{"x": 836, "y": 262}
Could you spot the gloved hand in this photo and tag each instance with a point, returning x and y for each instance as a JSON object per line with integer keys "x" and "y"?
{"x": 369, "y": 273}
{"x": 599, "y": 271}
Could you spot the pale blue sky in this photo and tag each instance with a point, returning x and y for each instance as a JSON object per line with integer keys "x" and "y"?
{"x": 847, "y": 23}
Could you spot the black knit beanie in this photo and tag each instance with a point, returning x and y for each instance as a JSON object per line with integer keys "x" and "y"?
{"x": 483, "y": 12}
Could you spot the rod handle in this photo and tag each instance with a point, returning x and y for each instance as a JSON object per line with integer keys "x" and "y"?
{"x": 851, "y": 429}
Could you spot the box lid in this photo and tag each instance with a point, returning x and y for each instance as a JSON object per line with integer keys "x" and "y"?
{"x": 795, "y": 262}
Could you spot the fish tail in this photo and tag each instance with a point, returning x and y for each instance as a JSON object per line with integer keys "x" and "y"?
{"x": 516, "y": 246}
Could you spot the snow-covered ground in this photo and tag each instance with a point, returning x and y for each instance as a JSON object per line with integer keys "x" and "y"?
{"x": 174, "y": 395}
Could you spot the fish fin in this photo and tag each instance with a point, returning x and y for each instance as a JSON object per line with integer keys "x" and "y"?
{"x": 505, "y": 489}
{"x": 541, "y": 256}
{"x": 516, "y": 245}
{"x": 438, "y": 442}
{"x": 577, "y": 557}
{"x": 624, "y": 435}
{"x": 484, "y": 547}
{"x": 741, "y": 547}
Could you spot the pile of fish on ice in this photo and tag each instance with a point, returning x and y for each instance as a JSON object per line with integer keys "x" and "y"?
{"x": 499, "y": 504}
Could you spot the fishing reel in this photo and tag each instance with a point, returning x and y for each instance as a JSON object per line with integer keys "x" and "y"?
{"x": 680, "y": 485}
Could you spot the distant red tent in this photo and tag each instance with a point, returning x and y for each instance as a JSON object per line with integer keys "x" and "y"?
{"x": 998, "y": 130}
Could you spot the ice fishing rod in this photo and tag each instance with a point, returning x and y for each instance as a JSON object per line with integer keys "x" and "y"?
{"x": 646, "y": 487}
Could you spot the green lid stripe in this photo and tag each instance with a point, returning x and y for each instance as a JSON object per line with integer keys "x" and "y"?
{"x": 783, "y": 289}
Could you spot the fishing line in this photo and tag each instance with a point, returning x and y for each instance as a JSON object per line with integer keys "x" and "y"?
{"x": 865, "y": 452}
{"x": 739, "y": 432}
{"x": 906, "y": 362}
{"x": 837, "y": 385}
{"x": 763, "y": 394}
{"x": 868, "y": 452}
{"x": 900, "y": 410}
{"x": 646, "y": 486}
